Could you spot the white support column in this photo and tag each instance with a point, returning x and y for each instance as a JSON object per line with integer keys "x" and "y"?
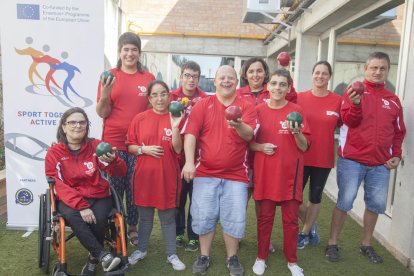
{"x": 402, "y": 228}
{"x": 319, "y": 49}
{"x": 306, "y": 57}
{"x": 331, "y": 53}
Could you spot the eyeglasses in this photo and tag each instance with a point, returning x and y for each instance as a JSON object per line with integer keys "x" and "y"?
{"x": 162, "y": 95}
{"x": 188, "y": 76}
{"x": 74, "y": 124}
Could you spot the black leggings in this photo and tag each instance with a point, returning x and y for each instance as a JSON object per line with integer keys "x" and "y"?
{"x": 91, "y": 236}
{"x": 318, "y": 177}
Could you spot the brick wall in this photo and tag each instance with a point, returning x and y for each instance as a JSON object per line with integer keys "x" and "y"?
{"x": 191, "y": 16}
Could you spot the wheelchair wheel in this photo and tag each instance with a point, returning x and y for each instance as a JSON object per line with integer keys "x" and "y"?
{"x": 45, "y": 230}
{"x": 41, "y": 229}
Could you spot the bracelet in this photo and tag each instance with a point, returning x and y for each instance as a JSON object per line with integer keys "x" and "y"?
{"x": 296, "y": 132}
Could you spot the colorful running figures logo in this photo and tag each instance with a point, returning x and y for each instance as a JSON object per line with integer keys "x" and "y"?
{"x": 28, "y": 11}
{"x": 50, "y": 76}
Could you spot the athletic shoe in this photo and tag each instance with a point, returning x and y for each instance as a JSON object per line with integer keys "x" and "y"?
{"x": 192, "y": 246}
{"x": 332, "y": 253}
{"x": 201, "y": 265}
{"x": 136, "y": 256}
{"x": 259, "y": 267}
{"x": 179, "y": 241}
{"x": 295, "y": 270}
{"x": 109, "y": 262}
{"x": 313, "y": 235}
{"x": 89, "y": 268}
{"x": 177, "y": 264}
{"x": 234, "y": 266}
{"x": 303, "y": 240}
{"x": 371, "y": 254}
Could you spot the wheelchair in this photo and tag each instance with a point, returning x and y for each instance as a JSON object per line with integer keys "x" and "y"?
{"x": 52, "y": 232}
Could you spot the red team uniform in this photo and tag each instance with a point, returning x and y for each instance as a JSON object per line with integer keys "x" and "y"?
{"x": 79, "y": 176}
{"x": 323, "y": 115}
{"x": 156, "y": 181}
{"x": 383, "y": 125}
{"x": 222, "y": 152}
{"x": 278, "y": 177}
{"x": 128, "y": 98}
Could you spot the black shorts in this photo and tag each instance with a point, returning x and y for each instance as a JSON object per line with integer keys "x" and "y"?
{"x": 318, "y": 177}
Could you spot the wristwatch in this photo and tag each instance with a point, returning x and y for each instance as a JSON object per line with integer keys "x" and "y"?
{"x": 139, "y": 151}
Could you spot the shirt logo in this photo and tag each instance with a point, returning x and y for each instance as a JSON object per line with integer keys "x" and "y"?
{"x": 385, "y": 104}
{"x": 332, "y": 113}
{"x": 167, "y": 135}
{"x": 284, "y": 126}
{"x": 142, "y": 90}
{"x": 90, "y": 169}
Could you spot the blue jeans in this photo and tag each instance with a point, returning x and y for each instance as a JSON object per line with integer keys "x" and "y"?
{"x": 216, "y": 198}
{"x": 350, "y": 174}
{"x": 186, "y": 190}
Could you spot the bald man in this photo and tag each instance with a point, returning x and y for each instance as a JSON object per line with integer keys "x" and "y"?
{"x": 219, "y": 173}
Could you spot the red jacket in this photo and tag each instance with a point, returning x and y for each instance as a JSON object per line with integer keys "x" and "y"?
{"x": 245, "y": 93}
{"x": 374, "y": 130}
{"x": 80, "y": 176}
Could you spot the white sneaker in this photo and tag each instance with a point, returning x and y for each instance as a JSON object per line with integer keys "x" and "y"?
{"x": 136, "y": 256}
{"x": 259, "y": 267}
{"x": 175, "y": 261}
{"x": 296, "y": 270}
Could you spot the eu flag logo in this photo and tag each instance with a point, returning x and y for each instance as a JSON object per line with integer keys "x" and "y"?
{"x": 26, "y": 11}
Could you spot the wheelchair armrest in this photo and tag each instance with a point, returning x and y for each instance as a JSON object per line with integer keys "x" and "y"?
{"x": 50, "y": 180}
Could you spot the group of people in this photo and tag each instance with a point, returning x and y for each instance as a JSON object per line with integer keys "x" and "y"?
{"x": 159, "y": 160}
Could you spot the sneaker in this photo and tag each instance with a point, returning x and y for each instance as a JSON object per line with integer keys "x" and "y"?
{"x": 313, "y": 235}
{"x": 259, "y": 267}
{"x": 234, "y": 266}
{"x": 272, "y": 249}
{"x": 201, "y": 265}
{"x": 332, "y": 253}
{"x": 295, "y": 270}
{"x": 177, "y": 264}
{"x": 109, "y": 262}
{"x": 371, "y": 254}
{"x": 179, "y": 241}
{"x": 90, "y": 267}
{"x": 303, "y": 240}
{"x": 136, "y": 256}
{"x": 192, "y": 246}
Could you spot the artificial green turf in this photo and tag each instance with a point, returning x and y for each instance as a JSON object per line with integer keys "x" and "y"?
{"x": 18, "y": 255}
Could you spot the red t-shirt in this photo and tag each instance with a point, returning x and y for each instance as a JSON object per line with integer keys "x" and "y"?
{"x": 156, "y": 181}
{"x": 128, "y": 98}
{"x": 323, "y": 115}
{"x": 223, "y": 153}
{"x": 278, "y": 177}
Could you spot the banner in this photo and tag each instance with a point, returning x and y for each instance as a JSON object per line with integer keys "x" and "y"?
{"x": 52, "y": 55}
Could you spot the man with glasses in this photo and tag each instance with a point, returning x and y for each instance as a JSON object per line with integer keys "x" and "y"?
{"x": 219, "y": 173}
{"x": 190, "y": 76}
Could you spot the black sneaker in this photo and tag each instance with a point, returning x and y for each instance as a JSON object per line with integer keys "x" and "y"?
{"x": 201, "y": 265}
{"x": 371, "y": 254}
{"x": 234, "y": 266}
{"x": 332, "y": 253}
{"x": 89, "y": 268}
{"x": 192, "y": 246}
{"x": 109, "y": 262}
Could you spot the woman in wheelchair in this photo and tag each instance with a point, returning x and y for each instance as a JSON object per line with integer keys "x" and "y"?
{"x": 82, "y": 192}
